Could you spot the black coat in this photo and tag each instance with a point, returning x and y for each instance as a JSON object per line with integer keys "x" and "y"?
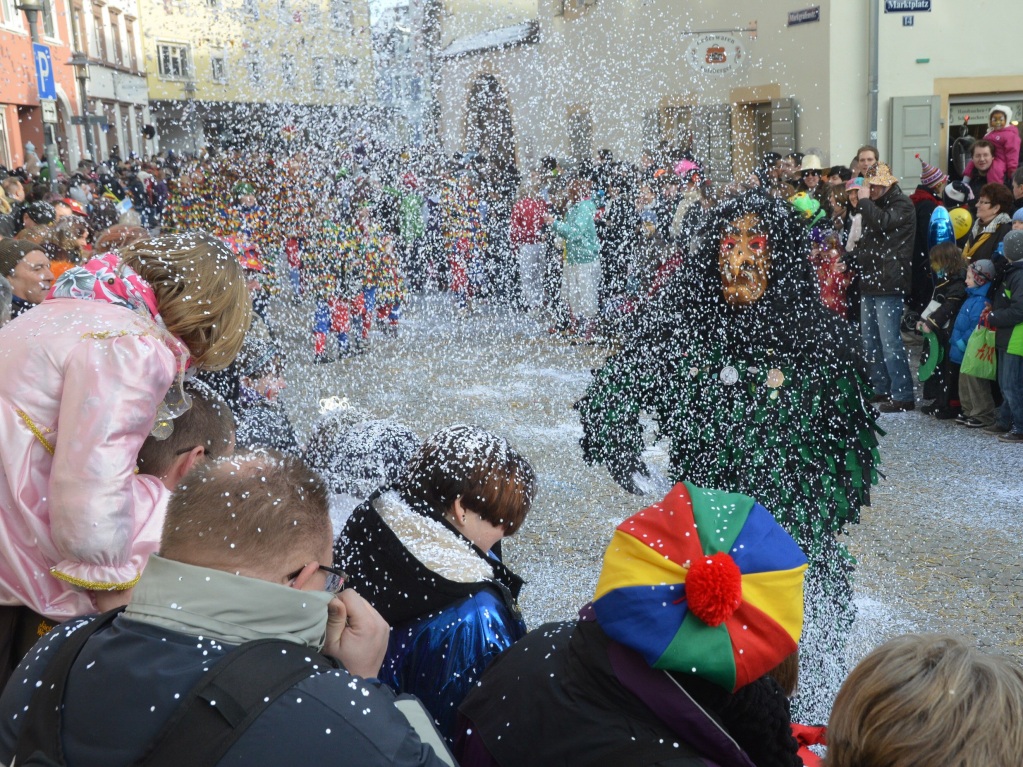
{"x": 884, "y": 253}
{"x": 921, "y": 282}
{"x": 949, "y": 295}
{"x": 987, "y": 248}
{"x": 567, "y": 694}
{"x": 1007, "y": 305}
{"x": 266, "y": 424}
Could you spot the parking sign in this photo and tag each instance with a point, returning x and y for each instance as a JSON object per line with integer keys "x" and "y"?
{"x": 44, "y": 72}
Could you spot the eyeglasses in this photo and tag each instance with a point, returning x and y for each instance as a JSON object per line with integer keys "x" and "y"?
{"x": 335, "y": 578}
{"x": 811, "y": 172}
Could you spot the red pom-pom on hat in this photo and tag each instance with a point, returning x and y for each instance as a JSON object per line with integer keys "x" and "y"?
{"x": 714, "y": 588}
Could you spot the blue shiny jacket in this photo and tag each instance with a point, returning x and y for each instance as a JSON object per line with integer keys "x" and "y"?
{"x": 438, "y": 658}
{"x": 451, "y": 607}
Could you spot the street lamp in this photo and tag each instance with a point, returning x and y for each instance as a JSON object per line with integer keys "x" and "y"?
{"x": 32, "y": 9}
{"x": 80, "y": 62}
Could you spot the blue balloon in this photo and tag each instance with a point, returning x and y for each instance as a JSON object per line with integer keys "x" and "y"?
{"x": 940, "y": 229}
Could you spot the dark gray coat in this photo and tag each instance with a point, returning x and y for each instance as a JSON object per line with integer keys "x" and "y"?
{"x": 1007, "y": 308}
{"x": 123, "y": 686}
{"x": 884, "y": 253}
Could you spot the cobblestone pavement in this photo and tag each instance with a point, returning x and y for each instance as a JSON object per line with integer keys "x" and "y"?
{"x": 939, "y": 549}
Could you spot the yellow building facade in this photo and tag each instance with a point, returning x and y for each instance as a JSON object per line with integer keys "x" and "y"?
{"x": 220, "y": 70}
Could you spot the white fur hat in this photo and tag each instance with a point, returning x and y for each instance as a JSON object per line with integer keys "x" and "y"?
{"x": 1007, "y": 111}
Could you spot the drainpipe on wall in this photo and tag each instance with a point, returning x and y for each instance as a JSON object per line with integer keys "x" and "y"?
{"x": 872, "y": 74}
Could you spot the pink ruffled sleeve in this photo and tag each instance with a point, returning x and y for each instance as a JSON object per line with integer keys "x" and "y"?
{"x": 98, "y": 505}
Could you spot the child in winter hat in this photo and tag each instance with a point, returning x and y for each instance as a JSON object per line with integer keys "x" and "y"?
{"x": 957, "y": 193}
{"x": 1013, "y": 246}
{"x": 1017, "y": 219}
{"x": 932, "y": 176}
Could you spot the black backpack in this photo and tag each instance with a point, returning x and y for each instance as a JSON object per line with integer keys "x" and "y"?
{"x": 211, "y": 716}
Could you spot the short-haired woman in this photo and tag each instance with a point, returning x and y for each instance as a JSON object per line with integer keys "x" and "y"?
{"x": 421, "y": 553}
{"x": 994, "y": 221}
{"x": 89, "y": 374}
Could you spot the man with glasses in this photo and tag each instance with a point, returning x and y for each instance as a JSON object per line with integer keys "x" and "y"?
{"x": 245, "y": 555}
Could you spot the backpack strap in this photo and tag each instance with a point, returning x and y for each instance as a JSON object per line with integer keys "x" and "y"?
{"x": 228, "y": 698}
{"x": 39, "y": 741}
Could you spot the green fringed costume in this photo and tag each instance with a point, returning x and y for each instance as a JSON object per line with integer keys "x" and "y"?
{"x": 769, "y": 399}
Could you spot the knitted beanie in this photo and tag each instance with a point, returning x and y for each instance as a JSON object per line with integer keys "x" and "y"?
{"x": 1012, "y": 245}
{"x": 931, "y": 175}
{"x": 959, "y": 192}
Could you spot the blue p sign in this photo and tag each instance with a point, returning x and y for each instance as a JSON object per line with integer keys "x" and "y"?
{"x": 44, "y": 72}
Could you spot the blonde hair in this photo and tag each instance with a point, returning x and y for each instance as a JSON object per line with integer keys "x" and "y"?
{"x": 200, "y": 291}
{"x": 925, "y": 700}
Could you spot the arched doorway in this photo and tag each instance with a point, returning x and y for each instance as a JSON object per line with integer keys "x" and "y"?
{"x": 488, "y": 124}
{"x": 68, "y": 149}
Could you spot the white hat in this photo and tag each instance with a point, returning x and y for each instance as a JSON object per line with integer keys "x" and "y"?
{"x": 1007, "y": 111}
{"x": 811, "y": 162}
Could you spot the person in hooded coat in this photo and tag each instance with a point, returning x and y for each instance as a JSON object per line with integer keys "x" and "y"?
{"x": 674, "y": 661}
{"x": 760, "y": 389}
{"x": 422, "y": 553}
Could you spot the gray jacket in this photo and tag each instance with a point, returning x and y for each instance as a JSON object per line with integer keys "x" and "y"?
{"x": 884, "y": 254}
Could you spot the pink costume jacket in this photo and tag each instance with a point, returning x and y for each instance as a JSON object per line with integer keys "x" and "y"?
{"x": 81, "y": 384}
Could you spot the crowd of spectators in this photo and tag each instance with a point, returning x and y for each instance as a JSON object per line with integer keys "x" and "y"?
{"x": 119, "y": 484}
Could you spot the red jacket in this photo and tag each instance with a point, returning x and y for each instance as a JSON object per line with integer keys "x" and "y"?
{"x": 527, "y": 221}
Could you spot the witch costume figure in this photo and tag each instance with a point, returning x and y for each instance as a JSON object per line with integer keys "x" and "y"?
{"x": 761, "y": 390}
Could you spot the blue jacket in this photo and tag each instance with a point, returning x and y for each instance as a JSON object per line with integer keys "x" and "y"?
{"x": 451, "y": 607}
{"x": 966, "y": 321}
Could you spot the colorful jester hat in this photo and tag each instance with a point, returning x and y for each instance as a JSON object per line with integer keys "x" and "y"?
{"x": 706, "y": 583}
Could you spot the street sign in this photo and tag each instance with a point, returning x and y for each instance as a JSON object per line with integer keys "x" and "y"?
{"x": 907, "y": 21}
{"x": 907, "y": 6}
{"x": 44, "y": 72}
{"x": 49, "y": 110}
{"x": 805, "y": 16}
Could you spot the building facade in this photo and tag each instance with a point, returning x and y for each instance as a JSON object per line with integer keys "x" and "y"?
{"x": 224, "y": 72}
{"x": 731, "y": 80}
{"x": 399, "y": 72}
{"x": 108, "y": 33}
{"x": 21, "y": 114}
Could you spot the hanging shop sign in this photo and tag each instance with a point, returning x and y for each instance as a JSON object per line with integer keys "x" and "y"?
{"x": 716, "y": 54}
